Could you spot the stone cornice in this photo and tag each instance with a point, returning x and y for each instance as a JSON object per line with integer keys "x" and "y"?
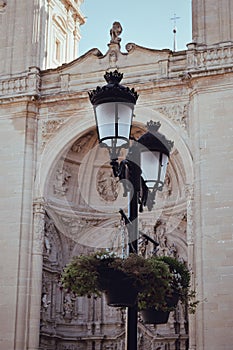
{"x": 74, "y": 7}
{"x": 75, "y": 77}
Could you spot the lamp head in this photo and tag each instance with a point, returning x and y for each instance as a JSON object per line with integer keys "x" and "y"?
{"x": 113, "y": 107}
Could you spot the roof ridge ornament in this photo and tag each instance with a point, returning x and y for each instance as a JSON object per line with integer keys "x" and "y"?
{"x": 115, "y": 31}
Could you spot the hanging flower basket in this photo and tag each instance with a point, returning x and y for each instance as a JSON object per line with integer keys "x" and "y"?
{"x": 119, "y": 279}
{"x": 156, "y": 283}
{"x": 153, "y": 316}
{"x": 118, "y": 288}
{"x": 159, "y": 316}
{"x": 121, "y": 292}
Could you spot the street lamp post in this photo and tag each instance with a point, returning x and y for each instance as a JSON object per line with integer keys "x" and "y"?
{"x": 144, "y": 167}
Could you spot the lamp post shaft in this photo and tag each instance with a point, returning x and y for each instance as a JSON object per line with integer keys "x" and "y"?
{"x": 134, "y": 177}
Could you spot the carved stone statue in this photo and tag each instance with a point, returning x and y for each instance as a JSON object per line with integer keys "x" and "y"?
{"x": 164, "y": 248}
{"x": 115, "y": 31}
{"x": 68, "y": 306}
{"x": 45, "y": 302}
{"x": 107, "y": 185}
{"x": 61, "y": 181}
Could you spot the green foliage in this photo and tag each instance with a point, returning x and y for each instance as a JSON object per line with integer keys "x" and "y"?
{"x": 157, "y": 285}
{"x": 180, "y": 275}
{"x": 156, "y": 278}
{"x": 90, "y": 275}
{"x": 179, "y": 287}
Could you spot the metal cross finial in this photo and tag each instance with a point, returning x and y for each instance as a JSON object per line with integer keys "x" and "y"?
{"x": 174, "y": 18}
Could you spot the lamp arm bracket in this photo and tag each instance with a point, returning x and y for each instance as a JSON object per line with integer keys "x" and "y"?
{"x": 120, "y": 170}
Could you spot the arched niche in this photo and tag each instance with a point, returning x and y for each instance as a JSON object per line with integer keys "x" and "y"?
{"x": 82, "y": 201}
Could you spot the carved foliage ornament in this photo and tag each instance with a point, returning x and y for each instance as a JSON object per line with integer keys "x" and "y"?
{"x": 176, "y": 112}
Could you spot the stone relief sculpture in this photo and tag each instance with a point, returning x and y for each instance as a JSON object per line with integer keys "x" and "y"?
{"x": 45, "y": 302}
{"x": 164, "y": 248}
{"x": 167, "y": 189}
{"x": 62, "y": 177}
{"x": 176, "y": 112}
{"x": 112, "y": 59}
{"x": 63, "y": 314}
{"x": 115, "y": 31}
{"x": 107, "y": 185}
{"x": 68, "y": 305}
{"x": 82, "y": 144}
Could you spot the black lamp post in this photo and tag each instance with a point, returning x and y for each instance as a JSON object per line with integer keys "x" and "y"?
{"x": 144, "y": 167}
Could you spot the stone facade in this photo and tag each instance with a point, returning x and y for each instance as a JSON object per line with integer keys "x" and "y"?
{"x": 58, "y": 197}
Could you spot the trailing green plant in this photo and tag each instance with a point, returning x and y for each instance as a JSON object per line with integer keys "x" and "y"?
{"x": 92, "y": 274}
{"x": 82, "y": 274}
{"x": 179, "y": 287}
{"x": 156, "y": 279}
{"x": 155, "y": 290}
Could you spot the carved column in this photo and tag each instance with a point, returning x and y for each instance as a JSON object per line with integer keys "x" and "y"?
{"x": 36, "y": 273}
{"x": 189, "y": 190}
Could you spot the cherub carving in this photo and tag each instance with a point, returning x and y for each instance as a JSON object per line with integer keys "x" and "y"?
{"x": 115, "y": 31}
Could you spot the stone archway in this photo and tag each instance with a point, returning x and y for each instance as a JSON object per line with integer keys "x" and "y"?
{"x": 82, "y": 203}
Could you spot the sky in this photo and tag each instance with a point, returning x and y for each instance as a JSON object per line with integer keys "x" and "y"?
{"x": 146, "y": 23}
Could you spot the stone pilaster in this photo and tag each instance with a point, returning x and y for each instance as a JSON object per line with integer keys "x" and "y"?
{"x": 36, "y": 273}
{"x": 190, "y": 242}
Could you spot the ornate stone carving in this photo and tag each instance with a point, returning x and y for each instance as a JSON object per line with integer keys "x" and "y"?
{"x": 115, "y": 31}
{"x": 75, "y": 226}
{"x": 189, "y": 191}
{"x": 113, "y": 59}
{"x": 176, "y": 112}
{"x": 68, "y": 305}
{"x": 62, "y": 176}
{"x": 107, "y": 185}
{"x": 50, "y": 127}
{"x": 44, "y": 301}
{"x": 38, "y": 225}
{"x": 164, "y": 248}
{"x": 167, "y": 188}
{"x": 81, "y": 145}
{"x": 130, "y": 47}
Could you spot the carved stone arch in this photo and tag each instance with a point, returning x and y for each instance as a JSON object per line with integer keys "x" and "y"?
{"x": 83, "y": 202}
